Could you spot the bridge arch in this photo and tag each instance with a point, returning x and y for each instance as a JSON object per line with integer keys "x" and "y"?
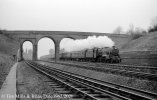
{"x": 63, "y": 43}
{"x": 46, "y": 36}
{"x": 44, "y": 50}
{"x": 27, "y": 47}
{"x": 56, "y": 39}
{"x": 22, "y": 40}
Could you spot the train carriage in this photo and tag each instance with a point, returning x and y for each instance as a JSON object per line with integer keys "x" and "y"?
{"x": 90, "y": 55}
{"x": 106, "y": 54}
{"x": 78, "y": 55}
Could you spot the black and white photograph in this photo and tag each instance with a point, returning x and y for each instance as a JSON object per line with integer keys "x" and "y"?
{"x": 78, "y": 49}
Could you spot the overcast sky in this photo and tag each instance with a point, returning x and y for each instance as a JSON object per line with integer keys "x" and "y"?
{"x": 76, "y": 15}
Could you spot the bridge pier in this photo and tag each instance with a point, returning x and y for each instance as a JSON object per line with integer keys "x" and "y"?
{"x": 57, "y": 49}
{"x": 35, "y": 49}
{"x": 21, "y": 53}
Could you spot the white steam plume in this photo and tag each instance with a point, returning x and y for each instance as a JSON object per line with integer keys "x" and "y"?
{"x": 89, "y": 43}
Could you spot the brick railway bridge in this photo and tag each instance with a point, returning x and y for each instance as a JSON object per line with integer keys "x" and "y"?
{"x": 57, "y": 36}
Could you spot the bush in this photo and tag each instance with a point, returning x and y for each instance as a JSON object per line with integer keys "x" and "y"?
{"x": 136, "y": 36}
{"x": 1, "y": 32}
{"x": 153, "y": 26}
{"x": 153, "y": 29}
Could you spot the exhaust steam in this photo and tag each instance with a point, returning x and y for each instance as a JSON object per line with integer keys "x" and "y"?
{"x": 70, "y": 45}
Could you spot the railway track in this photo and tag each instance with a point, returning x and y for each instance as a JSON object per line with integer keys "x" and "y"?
{"x": 142, "y": 68}
{"x": 107, "y": 69}
{"x": 91, "y": 89}
{"x": 138, "y": 68}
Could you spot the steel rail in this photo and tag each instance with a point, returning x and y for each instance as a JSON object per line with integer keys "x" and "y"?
{"x": 85, "y": 95}
{"x": 115, "y": 66}
{"x": 134, "y": 93}
{"x": 71, "y": 79}
{"x": 140, "y": 75}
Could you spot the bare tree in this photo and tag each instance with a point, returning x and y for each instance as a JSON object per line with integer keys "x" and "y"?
{"x": 154, "y": 21}
{"x": 118, "y": 30}
{"x": 135, "y": 32}
{"x": 1, "y": 31}
{"x": 153, "y": 26}
{"x": 139, "y": 30}
{"x": 131, "y": 29}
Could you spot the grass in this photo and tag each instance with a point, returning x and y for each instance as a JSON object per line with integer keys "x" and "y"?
{"x": 6, "y": 62}
{"x": 8, "y": 47}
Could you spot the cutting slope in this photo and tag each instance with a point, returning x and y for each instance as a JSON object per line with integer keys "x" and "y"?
{"x": 8, "y": 48}
{"x": 8, "y": 45}
{"x": 141, "y": 51}
{"x": 144, "y": 43}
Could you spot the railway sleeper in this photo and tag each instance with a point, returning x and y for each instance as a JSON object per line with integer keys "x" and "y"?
{"x": 135, "y": 96}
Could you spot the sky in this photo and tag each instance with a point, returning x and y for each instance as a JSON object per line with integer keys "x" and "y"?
{"x": 44, "y": 46}
{"x": 76, "y": 15}
{"x": 26, "y": 45}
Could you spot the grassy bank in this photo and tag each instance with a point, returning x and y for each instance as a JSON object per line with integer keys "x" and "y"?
{"x": 6, "y": 62}
{"x": 8, "y": 48}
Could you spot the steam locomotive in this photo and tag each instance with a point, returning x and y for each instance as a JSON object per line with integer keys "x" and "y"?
{"x": 106, "y": 54}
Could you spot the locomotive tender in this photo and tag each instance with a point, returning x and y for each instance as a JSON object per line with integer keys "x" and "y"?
{"x": 106, "y": 54}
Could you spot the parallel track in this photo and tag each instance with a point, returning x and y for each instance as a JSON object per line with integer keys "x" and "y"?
{"x": 91, "y": 89}
{"x": 136, "y": 68}
{"x": 123, "y": 72}
{"x": 129, "y": 67}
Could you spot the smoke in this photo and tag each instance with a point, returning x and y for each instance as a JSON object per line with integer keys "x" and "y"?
{"x": 89, "y": 43}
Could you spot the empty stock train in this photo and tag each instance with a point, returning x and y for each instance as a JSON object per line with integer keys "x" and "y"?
{"x": 106, "y": 54}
